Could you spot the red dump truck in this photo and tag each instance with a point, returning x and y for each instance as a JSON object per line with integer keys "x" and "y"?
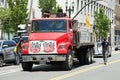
{"x": 57, "y": 41}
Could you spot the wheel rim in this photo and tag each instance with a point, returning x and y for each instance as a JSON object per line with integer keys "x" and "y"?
{"x": 70, "y": 61}
{"x": 92, "y": 58}
{"x": 89, "y": 58}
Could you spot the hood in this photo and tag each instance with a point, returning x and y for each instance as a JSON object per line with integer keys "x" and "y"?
{"x": 25, "y": 44}
{"x": 46, "y": 36}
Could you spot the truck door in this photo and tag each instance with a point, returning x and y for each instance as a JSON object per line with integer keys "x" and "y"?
{"x": 70, "y": 31}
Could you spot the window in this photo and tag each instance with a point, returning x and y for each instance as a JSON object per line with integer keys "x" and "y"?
{"x": 77, "y": 4}
{"x": 85, "y": 7}
{"x": 2, "y": 1}
{"x": 119, "y": 1}
{"x": 16, "y": 39}
{"x": 11, "y": 44}
{"x": 35, "y": 26}
{"x": 25, "y": 38}
{"x": 81, "y": 5}
{"x": 88, "y": 9}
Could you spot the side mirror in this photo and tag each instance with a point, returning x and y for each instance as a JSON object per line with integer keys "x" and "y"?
{"x": 5, "y": 46}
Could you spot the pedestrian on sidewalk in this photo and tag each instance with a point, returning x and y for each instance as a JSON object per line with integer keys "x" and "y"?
{"x": 105, "y": 45}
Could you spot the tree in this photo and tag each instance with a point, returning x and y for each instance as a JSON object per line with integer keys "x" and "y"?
{"x": 101, "y": 23}
{"x": 19, "y": 13}
{"x": 48, "y": 5}
{"x": 5, "y": 21}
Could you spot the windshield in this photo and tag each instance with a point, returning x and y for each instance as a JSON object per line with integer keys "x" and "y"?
{"x": 25, "y": 38}
{"x": 49, "y": 26}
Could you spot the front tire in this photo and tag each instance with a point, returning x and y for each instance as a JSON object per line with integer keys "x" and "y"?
{"x": 68, "y": 64}
{"x": 27, "y": 66}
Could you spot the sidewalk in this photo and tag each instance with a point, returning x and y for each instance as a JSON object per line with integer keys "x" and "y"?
{"x": 115, "y": 52}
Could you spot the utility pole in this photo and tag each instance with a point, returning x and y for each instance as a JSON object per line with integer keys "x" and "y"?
{"x": 69, "y": 8}
{"x": 31, "y": 3}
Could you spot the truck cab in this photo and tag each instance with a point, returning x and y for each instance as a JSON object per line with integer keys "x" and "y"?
{"x": 50, "y": 40}
{"x": 57, "y": 40}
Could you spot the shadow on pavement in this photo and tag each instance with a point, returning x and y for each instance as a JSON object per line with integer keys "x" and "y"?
{"x": 49, "y": 67}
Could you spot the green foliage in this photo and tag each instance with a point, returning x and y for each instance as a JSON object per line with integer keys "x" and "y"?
{"x": 19, "y": 13}
{"x": 15, "y": 15}
{"x": 48, "y": 5}
{"x": 5, "y": 21}
{"x": 5, "y": 17}
{"x": 101, "y": 23}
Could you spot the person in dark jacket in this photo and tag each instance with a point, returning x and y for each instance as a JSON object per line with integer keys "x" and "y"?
{"x": 105, "y": 45}
{"x": 46, "y": 14}
{"x": 60, "y": 13}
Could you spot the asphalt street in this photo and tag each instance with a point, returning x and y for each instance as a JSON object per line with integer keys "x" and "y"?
{"x": 95, "y": 71}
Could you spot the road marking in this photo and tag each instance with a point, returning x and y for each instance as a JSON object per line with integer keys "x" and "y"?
{"x": 8, "y": 71}
{"x": 82, "y": 71}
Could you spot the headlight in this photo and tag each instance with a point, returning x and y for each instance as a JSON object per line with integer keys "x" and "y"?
{"x": 62, "y": 47}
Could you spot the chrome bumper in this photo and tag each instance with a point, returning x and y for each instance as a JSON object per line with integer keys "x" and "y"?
{"x": 41, "y": 58}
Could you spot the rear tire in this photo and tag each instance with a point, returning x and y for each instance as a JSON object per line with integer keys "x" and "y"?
{"x": 87, "y": 57}
{"x": 68, "y": 64}
{"x": 81, "y": 57}
{"x": 92, "y": 57}
{"x": 110, "y": 51}
{"x": 27, "y": 66}
{"x": 1, "y": 61}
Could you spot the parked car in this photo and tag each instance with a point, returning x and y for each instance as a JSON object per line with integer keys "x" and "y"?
{"x": 7, "y": 54}
{"x": 98, "y": 52}
{"x": 117, "y": 47}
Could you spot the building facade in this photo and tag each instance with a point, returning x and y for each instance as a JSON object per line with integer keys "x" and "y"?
{"x": 33, "y": 9}
{"x": 117, "y": 22}
{"x": 107, "y": 5}
{"x": 3, "y": 3}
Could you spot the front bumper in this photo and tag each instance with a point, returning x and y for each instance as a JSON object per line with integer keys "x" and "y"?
{"x": 41, "y": 58}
